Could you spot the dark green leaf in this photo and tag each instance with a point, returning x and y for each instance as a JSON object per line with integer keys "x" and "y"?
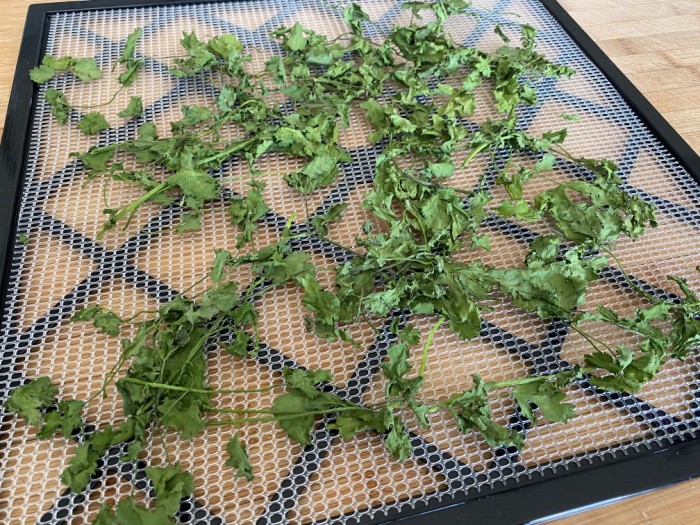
{"x": 104, "y": 319}
{"x": 131, "y": 513}
{"x": 67, "y": 418}
{"x": 171, "y": 485}
{"x": 29, "y": 400}
{"x": 238, "y": 459}
{"x": 93, "y": 123}
{"x": 133, "y": 109}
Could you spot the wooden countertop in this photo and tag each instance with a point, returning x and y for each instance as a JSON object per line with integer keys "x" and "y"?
{"x": 656, "y": 43}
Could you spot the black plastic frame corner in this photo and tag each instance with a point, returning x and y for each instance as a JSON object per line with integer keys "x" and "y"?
{"x": 557, "y": 491}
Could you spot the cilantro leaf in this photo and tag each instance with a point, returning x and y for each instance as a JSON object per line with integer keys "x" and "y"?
{"x": 60, "y": 106}
{"x": 397, "y": 440}
{"x": 128, "y": 511}
{"x": 182, "y": 415}
{"x": 351, "y": 422}
{"x": 333, "y": 213}
{"x": 128, "y": 57}
{"x": 29, "y": 400}
{"x": 171, "y": 484}
{"x": 104, "y": 320}
{"x": 59, "y": 64}
{"x": 221, "y": 260}
{"x": 238, "y": 459}
{"x": 84, "y": 463}
{"x": 196, "y": 186}
{"x": 296, "y": 41}
{"x": 105, "y": 516}
{"x": 133, "y": 109}
{"x": 41, "y": 74}
{"x": 290, "y": 409}
{"x": 93, "y": 123}
{"x": 67, "y": 418}
{"x": 471, "y": 410}
{"x": 306, "y": 380}
{"x": 548, "y": 397}
{"x": 245, "y": 212}
{"x": 86, "y": 69}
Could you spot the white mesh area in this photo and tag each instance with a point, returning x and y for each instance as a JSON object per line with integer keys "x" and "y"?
{"x": 63, "y": 267}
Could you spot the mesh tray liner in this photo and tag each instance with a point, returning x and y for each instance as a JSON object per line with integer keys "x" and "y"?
{"x": 64, "y": 268}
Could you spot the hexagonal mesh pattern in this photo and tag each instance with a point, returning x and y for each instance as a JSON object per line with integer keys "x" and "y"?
{"x": 63, "y": 268}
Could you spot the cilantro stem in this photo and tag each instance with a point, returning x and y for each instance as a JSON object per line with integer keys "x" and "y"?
{"x": 474, "y": 153}
{"x": 102, "y": 104}
{"x": 200, "y": 391}
{"x": 634, "y": 286}
{"x": 131, "y": 208}
{"x": 592, "y": 340}
{"x": 274, "y": 418}
{"x": 428, "y": 341}
{"x": 228, "y": 152}
{"x": 241, "y": 421}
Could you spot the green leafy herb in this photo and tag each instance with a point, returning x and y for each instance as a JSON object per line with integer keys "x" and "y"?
{"x": 133, "y": 109}
{"x": 28, "y": 401}
{"x": 59, "y": 105}
{"x": 128, "y": 57}
{"x": 93, "y": 123}
{"x": 104, "y": 320}
{"x": 171, "y": 484}
{"x": 333, "y": 213}
{"x": 86, "y": 69}
{"x": 417, "y": 253}
{"x": 238, "y": 459}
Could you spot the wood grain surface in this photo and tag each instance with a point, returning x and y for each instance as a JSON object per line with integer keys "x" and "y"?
{"x": 657, "y": 44}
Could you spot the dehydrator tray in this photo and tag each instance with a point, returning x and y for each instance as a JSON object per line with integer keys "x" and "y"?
{"x": 618, "y": 444}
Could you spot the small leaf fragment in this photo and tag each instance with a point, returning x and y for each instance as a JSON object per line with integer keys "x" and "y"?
{"x": 238, "y": 458}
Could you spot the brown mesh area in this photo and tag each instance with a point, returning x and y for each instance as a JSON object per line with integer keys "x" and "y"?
{"x": 63, "y": 268}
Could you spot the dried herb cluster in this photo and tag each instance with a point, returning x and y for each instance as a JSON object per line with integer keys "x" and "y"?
{"x": 416, "y": 87}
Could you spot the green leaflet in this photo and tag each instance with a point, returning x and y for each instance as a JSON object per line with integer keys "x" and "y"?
{"x": 238, "y": 459}
{"x": 29, "y": 400}
{"x": 171, "y": 484}
{"x": 104, "y": 320}
{"x": 133, "y": 65}
{"x": 93, "y": 123}
{"x": 128, "y": 511}
{"x": 333, "y": 214}
{"x": 66, "y": 418}
{"x": 245, "y": 212}
{"x": 471, "y": 410}
{"x": 59, "y": 105}
{"x": 548, "y": 397}
{"x": 133, "y": 109}
{"x": 86, "y": 69}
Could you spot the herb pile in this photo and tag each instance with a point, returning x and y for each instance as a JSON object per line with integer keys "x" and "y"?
{"x": 416, "y": 88}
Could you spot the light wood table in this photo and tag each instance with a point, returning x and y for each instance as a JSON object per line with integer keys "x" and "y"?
{"x": 657, "y": 44}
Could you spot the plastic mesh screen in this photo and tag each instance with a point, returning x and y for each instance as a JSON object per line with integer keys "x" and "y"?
{"x": 63, "y": 268}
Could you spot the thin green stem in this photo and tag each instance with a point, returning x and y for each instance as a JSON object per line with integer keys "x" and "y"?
{"x": 629, "y": 280}
{"x": 200, "y": 391}
{"x": 592, "y": 340}
{"x": 131, "y": 208}
{"x": 102, "y": 104}
{"x": 426, "y": 346}
{"x": 474, "y": 153}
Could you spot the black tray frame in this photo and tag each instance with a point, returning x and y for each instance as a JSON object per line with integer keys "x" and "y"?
{"x": 559, "y": 491}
